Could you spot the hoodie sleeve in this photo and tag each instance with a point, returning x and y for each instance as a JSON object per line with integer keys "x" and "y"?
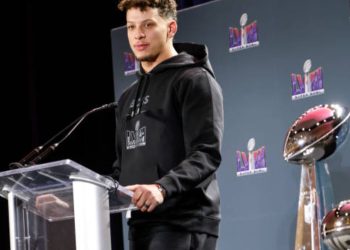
{"x": 201, "y": 108}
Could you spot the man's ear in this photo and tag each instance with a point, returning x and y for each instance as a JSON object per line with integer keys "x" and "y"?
{"x": 172, "y": 28}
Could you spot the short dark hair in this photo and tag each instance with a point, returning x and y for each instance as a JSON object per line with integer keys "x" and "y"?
{"x": 166, "y": 8}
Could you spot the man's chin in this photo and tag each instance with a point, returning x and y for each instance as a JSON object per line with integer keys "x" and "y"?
{"x": 148, "y": 58}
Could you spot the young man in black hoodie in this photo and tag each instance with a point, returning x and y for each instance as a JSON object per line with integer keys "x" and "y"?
{"x": 169, "y": 133}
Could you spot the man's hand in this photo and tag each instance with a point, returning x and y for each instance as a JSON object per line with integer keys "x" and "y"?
{"x": 146, "y": 197}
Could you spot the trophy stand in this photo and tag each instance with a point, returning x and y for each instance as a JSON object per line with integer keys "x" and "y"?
{"x": 308, "y": 227}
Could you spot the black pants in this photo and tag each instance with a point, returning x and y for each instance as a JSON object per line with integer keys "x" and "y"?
{"x": 170, "y": 240}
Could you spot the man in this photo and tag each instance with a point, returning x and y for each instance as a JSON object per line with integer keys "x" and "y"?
{"x": 169, "y": 132}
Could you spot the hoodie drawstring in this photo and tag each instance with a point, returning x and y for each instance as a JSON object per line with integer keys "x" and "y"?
{"x": 140, "y": 94}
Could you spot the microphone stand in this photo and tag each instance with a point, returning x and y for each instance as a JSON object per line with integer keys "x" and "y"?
{"x": 40, "y": 152}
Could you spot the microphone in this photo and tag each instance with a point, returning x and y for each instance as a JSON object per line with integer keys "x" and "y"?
{"x": 40, "y": 152}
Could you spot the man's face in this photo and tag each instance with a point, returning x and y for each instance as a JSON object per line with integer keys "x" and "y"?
{"x": 148, "y": 34}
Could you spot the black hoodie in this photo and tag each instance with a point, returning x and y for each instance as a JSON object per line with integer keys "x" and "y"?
{"x": 172, "y": 136}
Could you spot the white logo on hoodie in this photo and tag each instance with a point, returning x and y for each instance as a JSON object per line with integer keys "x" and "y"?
{"x": 136, "y": 138}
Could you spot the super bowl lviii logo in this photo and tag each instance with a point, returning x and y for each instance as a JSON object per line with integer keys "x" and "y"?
{"x": 131, "y": 65}
{"x": 309, "y": 84}
{"x": 136, "y": 138}
{"x": 244, "y": 37}
{"x": 254, "y": 163}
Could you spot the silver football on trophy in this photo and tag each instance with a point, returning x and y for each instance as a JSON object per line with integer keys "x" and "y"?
{"x": 335, "y": 228}
{"x": 316, "y": 134}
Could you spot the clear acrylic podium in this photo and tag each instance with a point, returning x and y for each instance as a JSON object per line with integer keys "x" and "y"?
{"x": 58, "y": 191}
